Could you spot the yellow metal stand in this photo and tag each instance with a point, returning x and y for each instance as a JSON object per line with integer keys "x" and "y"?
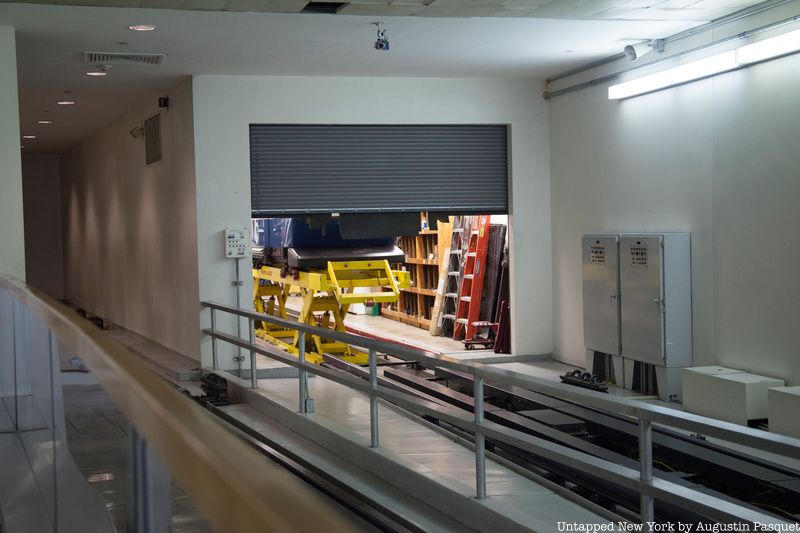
{"x": 327, "y": 295}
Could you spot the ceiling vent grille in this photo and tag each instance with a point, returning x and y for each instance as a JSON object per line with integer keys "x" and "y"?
{"x": 104, "y": 58}
{"x": 323, "y": 7}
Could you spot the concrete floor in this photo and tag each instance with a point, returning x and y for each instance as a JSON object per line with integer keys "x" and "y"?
{"x": 416, "y": 446}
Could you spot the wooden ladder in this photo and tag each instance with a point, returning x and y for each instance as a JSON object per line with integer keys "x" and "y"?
{"x": 468, "y": 308}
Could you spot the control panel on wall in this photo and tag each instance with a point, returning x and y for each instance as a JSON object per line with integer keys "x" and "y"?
{"x": 600, "y": 255}
{"x": 237, "y": 242}
{"x": 637, "y": 291}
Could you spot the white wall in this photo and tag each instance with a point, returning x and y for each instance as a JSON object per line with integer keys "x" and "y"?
{"x": 226, "y": 105}
{"x": 12, "y": 247}
{"x": 130, "y": 230}
{"x": 717, "y": 158}
{"x": 44, "y": 258}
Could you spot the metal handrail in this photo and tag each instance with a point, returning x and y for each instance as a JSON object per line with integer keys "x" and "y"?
{"x": 769, "y": 442}
{"x": 642, "y": 481}
{"x": 231, "y": 484}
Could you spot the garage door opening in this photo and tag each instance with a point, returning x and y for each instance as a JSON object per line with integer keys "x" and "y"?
{"x": 390, "y": 231}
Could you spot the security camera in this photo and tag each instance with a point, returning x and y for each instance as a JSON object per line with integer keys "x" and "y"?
{"x": 636, "y": 51}
{"x": 382, "y": 42}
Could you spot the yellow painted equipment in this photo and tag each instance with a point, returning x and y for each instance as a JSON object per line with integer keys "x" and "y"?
{"x": 327, "y": 295}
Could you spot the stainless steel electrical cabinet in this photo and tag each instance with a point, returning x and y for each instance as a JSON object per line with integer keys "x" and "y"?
{"x": 601, "y": 319}
{"x": 656, "y": 299}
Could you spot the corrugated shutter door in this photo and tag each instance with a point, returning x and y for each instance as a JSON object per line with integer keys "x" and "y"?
{"x": 303, "y": 169}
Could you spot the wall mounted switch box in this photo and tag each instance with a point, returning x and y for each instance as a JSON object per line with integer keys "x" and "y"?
{"x": 600, "y": 259}
{"x": 237, "y": 243}
{"x": 637, "y": 308}
{"x": 656, "y": 298}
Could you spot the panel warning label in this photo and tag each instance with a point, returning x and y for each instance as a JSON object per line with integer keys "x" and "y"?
{"x": 597, "y": 251}
{"x": 639, "y": 255}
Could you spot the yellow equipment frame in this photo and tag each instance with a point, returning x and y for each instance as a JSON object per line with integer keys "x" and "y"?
{"x": 328, "y": 292}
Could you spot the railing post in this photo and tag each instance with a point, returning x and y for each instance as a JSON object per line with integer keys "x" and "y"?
{"x": 150, "y": 498}
{"x": 214, "y": 359}
{"x": 306, "y": 403}
{"x": 253, "y": 366}
{"x": 480, "y": 441}
{"x": 373, "y": 399}
{"x": 646, "y": 467}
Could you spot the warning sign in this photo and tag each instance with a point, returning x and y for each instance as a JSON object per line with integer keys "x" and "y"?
{"x": 597, "y": 252}
{"x": 639, "y": 255}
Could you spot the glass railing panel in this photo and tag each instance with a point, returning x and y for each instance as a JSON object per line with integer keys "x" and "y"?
{"x": 8, "y": 377}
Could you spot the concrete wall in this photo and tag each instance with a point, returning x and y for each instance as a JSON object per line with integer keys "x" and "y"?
{"x": 717, "y": 158}
{"x": 130, "y": 229}
{"x": 12, "y": 246}
{"x": 44, "y": 258}
{"x": 226, "y": 105}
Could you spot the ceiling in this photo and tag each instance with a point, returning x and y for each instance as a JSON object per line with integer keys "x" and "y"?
{"x": 699, "y": 10}
{"x": 52, "y": 38}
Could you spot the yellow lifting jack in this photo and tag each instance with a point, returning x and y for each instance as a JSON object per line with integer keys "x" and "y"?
{"x": 327, "y": 295}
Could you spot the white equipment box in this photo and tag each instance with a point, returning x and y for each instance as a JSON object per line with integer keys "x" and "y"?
{"x": 784, "y": 405}
{"x": 237, "y": 242}
{"x": 726, "y": 394}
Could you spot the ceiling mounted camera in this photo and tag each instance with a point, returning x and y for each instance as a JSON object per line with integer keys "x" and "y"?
{"x": 636, "y": 51}
{"x": 382, "y": 42}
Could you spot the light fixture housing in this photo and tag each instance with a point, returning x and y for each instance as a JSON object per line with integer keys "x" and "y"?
{"x": 65, "y": 102}
{"x": 142, "y": 27}
{"x": 771, "y": 48}
{"x": 695, "y": 70}
{"x": 780, "y": 45}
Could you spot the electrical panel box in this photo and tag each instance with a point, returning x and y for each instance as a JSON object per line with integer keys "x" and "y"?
{"x": 237, "y": 242}
{"x": 601, "y": 309}
{"x": 656, "y": 298}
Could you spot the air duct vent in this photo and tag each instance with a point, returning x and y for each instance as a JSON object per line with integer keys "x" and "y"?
{"x": 104, "y": 58}
{"x": 323, "y": 7}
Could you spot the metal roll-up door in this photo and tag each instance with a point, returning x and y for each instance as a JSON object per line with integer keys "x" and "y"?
{"x": 302, "y": 169}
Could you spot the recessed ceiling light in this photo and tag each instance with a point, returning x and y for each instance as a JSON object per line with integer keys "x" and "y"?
{"x": 65, "y": 102}
{"x": 96, "y": 73}
{"x": 29, "y": 136}
{"x": 45, "y": 122}
{"x": 142, "y": 27}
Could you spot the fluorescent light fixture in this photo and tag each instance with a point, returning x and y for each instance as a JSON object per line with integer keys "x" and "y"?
{"x": 45, "y": 122}
{"x": 142, "y": 27}
{"x": 65, "y": 102}
{"x": 96, "y": 73}
{"x": 773, "y": 47}
{"x": 29, "y": 136}
{"x": 674, "y": 76}
{"x": 769, "y": 48}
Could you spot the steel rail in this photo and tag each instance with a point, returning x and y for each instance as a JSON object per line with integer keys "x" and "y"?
{"x": 650, "y": 488}
{"x": 769, "y": 442}
{"x": 231, "y": 484}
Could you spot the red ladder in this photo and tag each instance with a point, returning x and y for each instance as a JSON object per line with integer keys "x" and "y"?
{"x": 469, "y": 299}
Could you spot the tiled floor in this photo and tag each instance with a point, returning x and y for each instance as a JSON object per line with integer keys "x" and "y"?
{"x": 97, "y": 436}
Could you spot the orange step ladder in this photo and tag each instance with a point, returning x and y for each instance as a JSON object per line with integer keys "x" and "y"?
{"x": 469, "y": 300}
